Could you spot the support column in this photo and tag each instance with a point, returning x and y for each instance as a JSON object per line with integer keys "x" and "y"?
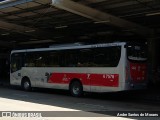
{"x": 152, "y": 63}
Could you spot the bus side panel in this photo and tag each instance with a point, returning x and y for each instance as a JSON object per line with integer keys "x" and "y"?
{"x": 93, "y": 79}
{"x": 15, "y": 78}
{"x": 121, "y": 69}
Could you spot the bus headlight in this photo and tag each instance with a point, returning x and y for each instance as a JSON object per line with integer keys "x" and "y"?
{"x": 132, "y": 85}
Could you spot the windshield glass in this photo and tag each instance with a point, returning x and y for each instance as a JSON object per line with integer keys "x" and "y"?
{"x": 137, "y": 52}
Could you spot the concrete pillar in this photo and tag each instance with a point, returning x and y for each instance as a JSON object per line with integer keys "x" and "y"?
{"x": 152, "y": 63}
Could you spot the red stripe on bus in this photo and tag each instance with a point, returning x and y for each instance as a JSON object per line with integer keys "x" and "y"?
{"x": 111, "y": 80}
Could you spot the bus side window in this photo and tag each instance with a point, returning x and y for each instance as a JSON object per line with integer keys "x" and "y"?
{"x": 29, "y": 60}
{"x": 85, "y": 58}
{"x": 52, "y": 59}
{"x": 16, "y": 62}
{"x": 71, "y": 58}
{"x": 107, "y": 57}
{"x": 13, "y": 67}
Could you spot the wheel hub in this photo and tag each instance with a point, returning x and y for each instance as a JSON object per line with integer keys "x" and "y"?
{"x": 26, "y": 85}
{"x": 76, "y": 90}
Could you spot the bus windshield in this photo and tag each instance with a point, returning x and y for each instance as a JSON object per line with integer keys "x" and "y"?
{"x": 137, "y": 52}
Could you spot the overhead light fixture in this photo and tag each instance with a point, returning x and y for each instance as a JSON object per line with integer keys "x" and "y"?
{"x": 84, "y": 37}
{"x": 152, "y": 14}
{"x": 5, "y": 34}
{"x": 59, "y": 27}
{"x": 105, "y": 33}
{"x": 33, "y": 39}
{"x": 106, "y": 21}
{"x": 5, "y": 1}
{"x": 36, "y": 42}
{"x": 129, "y": 30}
{"x": 13, "y": 41}
{"x": 28, "y": 31}
{"x": 58, "y": 37}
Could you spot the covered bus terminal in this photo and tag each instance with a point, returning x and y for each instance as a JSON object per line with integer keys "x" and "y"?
{"x": 41, "y": 23}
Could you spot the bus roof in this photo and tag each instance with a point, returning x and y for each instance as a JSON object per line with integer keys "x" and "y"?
{"x": 70, "y": 46}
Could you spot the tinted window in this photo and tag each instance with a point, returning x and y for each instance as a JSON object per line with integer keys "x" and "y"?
{"x": 100, "y": 57}
{"x": 16, "y": 61}
{"x": 90, "y": 57}
{"x": 108, "y": 57}
{"x": 137, "y": 52}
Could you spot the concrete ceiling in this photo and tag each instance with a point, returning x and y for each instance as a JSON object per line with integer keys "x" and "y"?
{"x": 33, "y": 22}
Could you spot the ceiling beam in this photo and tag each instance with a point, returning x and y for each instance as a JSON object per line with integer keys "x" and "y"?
{"x": 13, "y": 27}
{"x": 11, "y": 3}
{"x": 25, "y": 30}
{"x": 99, "y": 16}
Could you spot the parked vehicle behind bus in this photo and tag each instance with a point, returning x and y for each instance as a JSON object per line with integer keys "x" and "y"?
{"x": 105, "y": 67}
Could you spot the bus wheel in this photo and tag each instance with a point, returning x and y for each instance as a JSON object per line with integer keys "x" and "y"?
{"x": 26, "y": 85}
{"x": 76, "y": 89}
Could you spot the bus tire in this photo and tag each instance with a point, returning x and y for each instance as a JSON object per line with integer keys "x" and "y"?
{"x": 76, "y": 89}
{"x": 26, "y": 84}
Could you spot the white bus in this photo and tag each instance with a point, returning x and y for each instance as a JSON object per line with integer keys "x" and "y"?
{"x": 106, "y": 67}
